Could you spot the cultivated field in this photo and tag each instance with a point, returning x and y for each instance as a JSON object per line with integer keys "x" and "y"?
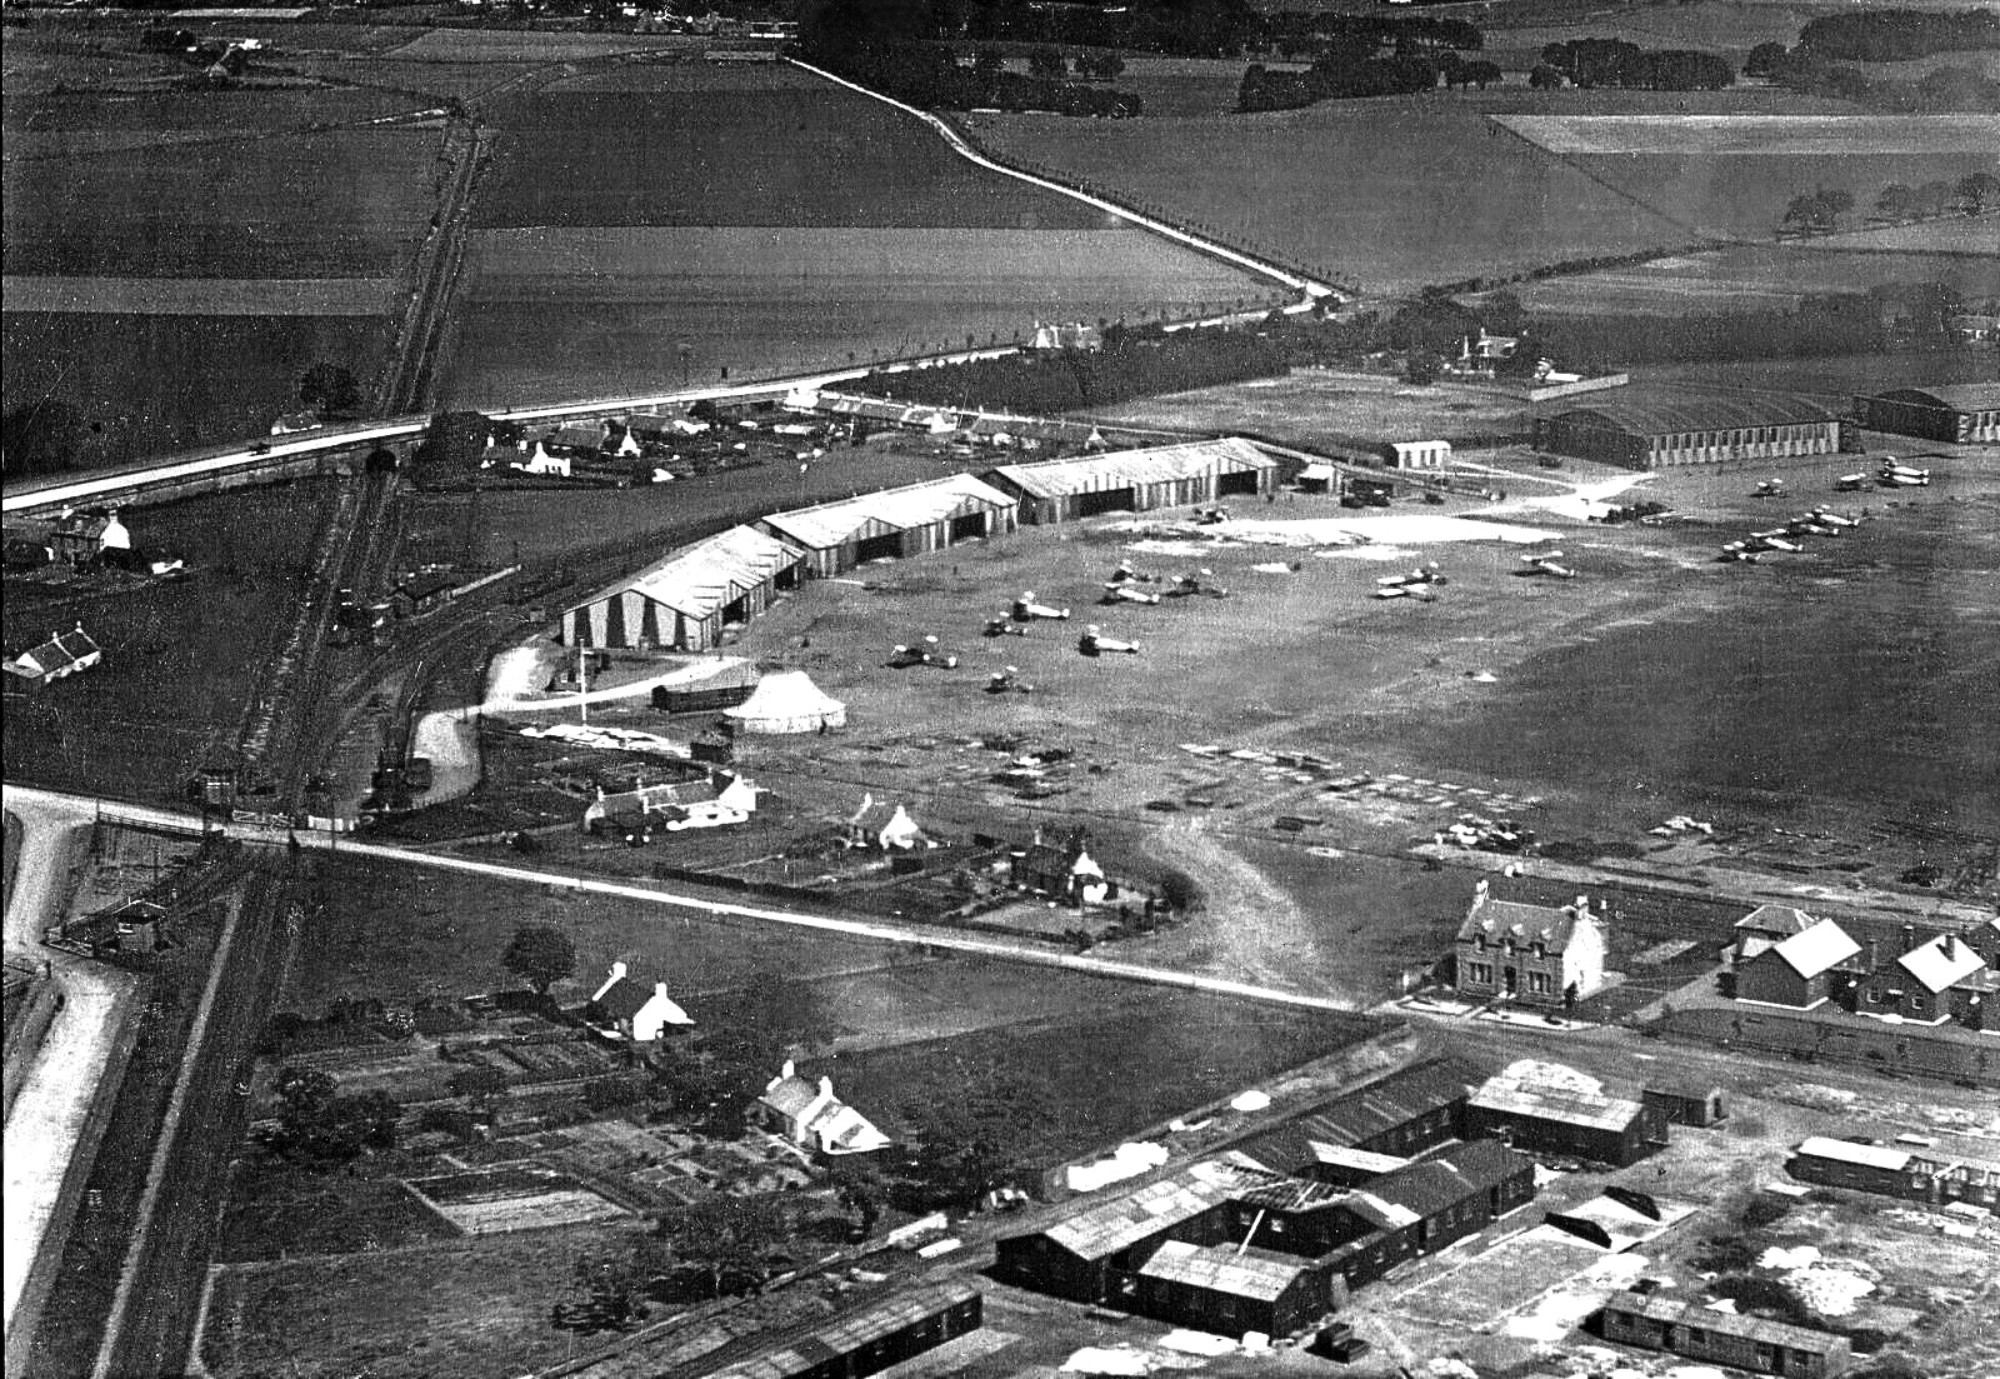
{"x": 1763, "y": 135}
{"x": 1775, "y": 276}
{"x": 770, "y": 222}
{"x": 152, "y": 382}
{"x": 201, "y": 296}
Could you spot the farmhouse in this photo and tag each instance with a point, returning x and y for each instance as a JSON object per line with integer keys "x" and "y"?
{"x": 1076, "y": 336}
{"x": 1425, "y": 455}
{"x": 1531, "y": 954}
{"x": 810, "y": 1114}
{"x": 623, "y": 1009}
{"x": 1928, "y": 1177}
{"x": 720, "y": 798}
{"x": 1053, "y": 491}
{"x": 1653, "y": 1322}
{"x": 894, "y": 523}
{"x": 684, "y": 601}
{"x": 81, "y": 537}
{"x": 1965, "y": 414}
{"x": 1558, "y": 1110}
{"x": 1402, "y": 1115}
{"x": 1643, "y": 432}
{"x": 1800, "y": 971}
{"x": 64, "y": 653}
{"x": 1062, "y": 869}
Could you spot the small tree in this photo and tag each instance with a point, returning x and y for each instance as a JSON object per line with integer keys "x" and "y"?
{"x": 329, "y": 388}
{"x": 1048, "y": 64}
{"x": 540, "y": 955}
{"x": 726, "y": 1240}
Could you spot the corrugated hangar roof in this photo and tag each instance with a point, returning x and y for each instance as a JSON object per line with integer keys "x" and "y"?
{"x": 914, "y": 505}
{"x": 696, "y": 580}
{"x": 1163, "y": 464}
{"x": 1667, "y": 414}
{"x": 1103, "y": 1230}
{"x": 1956, "y": 397}
{"x": 1258, "y": 1274}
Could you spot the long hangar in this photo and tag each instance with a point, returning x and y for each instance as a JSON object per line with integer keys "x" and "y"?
{"x": 1137, "y": 480}
{"x": 1653, "y": 432}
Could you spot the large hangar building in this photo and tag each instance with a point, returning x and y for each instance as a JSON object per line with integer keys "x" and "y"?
{"x": 1165, "y": 476}
{"x": 896, "y": 523}
{"x": 1959, "y": 414}
{"x": 1656, "y": 432}
{"x": 681, "y": 603}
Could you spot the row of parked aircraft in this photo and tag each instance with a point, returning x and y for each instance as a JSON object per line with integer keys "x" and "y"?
{"x": 1817, "y": 522}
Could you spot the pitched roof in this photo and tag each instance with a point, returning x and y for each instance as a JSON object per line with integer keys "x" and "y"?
{"x": 1642, "y": 414}
{"x": 697, "y": 580}
{"x": 1777, "y": 919}
{"x": 1135, "y": 468}
{"x": 1848, "y": 1152}
{"x": 64, "y": 651}
{"x": 1657, "y": 1308}
{"x": 1824, "y": 946}
{"x": 1957, "y": 397}
{"x": 914, "y": 505}
{"x": 1250, "y": 1273}
{"x": 790, "y": 1097}
{"x": 1549, "y": 1091}
{"x": 1395, "y": 1101}
{"x": 805, "y": 1346}
{"x": 1103, "y": 1230}
{"x": 1935, "y": 969}
{"x": 1527, "y": 924}
{"x": 622, "y": 999}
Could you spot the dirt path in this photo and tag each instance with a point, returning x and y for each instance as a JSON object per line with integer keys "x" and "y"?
{"x": 1253, "y": 931}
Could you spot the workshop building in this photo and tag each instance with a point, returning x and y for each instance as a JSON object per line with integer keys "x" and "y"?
{"x": 1551, "y": 1109}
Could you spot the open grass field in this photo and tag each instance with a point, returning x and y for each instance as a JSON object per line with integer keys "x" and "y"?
{"x": 1726, "y": 136}
{"x": 771, "y": 222}
{"x": 200, "y": 296}
{"x": 492, "y": 45}
{"x": 1755, "y": 276}
{"x": 151, "y": 382}
{"x": 1394, "y": 192}
{"x": 1835, "y": 379}
{"x": 72, "y": 123}
{"x": 1946, "y": 235}
{"x": 1311, "y": 408}
{"x": 179, "y": 658}
{"x": 275, "y": 1211}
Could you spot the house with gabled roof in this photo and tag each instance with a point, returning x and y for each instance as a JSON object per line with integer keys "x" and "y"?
{"x": 1767, "y": 926}
{"x": 64, "y": 653}
{"x": 1534, "y": 955}
{"x": 809, "y": 1114}
{"x": 1918, "y": 986}
{"x": 629, "y": 1012}
{"x": 1801, "y": 971}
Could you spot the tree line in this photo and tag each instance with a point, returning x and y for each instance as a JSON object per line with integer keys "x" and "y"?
{"x": 1820, "y": 210}
{"x": 1900, "y": 35}
{"x": 1809, "y": 71}
{"x": 1593, "y": 62}
{"x": 1304, "y": 35}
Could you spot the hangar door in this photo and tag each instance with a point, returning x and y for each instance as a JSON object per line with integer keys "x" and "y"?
{"x": 1107, "y": 500}
{"x": 888, "y": 545}
{"x": 967, "y": 527}
{"x": 1243, "y": 483}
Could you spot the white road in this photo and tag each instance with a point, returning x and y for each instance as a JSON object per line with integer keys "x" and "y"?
{"x": 688, "y": 906}
{"x": 51, "y": 1123}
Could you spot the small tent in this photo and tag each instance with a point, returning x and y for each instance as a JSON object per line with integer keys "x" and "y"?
{"x": 901, "y": 832}
{"x": 787, "y": 702}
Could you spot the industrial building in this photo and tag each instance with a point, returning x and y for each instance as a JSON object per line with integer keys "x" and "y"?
{"x": 1958, "y": 414}
{"x": 1229, "y": 1289}
{"x": 1402, "y": 1115}
{"x": 862, "y": 1339}
{"x": 1930, "y": 1175}
{"x": 1688, "y": 1329}
{"x": 1054, "y": 491}
{"x": 683, "y": 602}
{"x": 893, "y": 524}
{"x": 1533, "y": 955}
{"x": 1551, "y": 1109}
{"x": 1653, "y": 433}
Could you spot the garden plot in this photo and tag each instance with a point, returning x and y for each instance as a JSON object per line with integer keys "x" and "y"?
{"x": 513, "y": 1197}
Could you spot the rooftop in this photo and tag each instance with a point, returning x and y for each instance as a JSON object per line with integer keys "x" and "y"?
{"x": 1777, "y": 919}
{"x": 1551, "y": 1092}
{"x": 804, "y": 1347}
{"x": 1249, "y": 1273}
{"x": 1103, "y": 1230}
{"x": 1824, "y": 946}
{"x": 1156, "y": 465}
{"x": 1848, "y": 1152}
{"x": 1942, "y": 963}
{"x": 1654, "y": 1307}
{"x": 1957, "y": 397}
{"x": 896, "y": 509}
{"x": 699, "y": 579}
{"x": 1395, "y": 1101}
{"x": 1665, "y": 414}
{"x": 1497, "y": 920}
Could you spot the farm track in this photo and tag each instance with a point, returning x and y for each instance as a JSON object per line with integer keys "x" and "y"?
{"x": 410, "y": 380}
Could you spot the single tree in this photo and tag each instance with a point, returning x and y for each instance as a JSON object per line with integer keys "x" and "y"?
{"x": 540, "y": 955}
{"x": 1895, "y": 201}
{"x": 329, "y": 388}
{"x": 726, "y": 1240}
{"x": 1979, "y": 191}
{"x": 972, "y": 1141}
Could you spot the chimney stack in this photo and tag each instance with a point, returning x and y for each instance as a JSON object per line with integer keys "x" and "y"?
{"x": 617, "y": 971}
{"x": 1909, "y": 937}
{"x": 1947, "y": 946}
{"x": 790, "y": 1070}
{"x": 826, "y": 1087}
{"x": 660, "y": 990}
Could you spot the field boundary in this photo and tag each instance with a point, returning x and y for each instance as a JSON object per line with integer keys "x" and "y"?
{"x": 1310, "y": 290}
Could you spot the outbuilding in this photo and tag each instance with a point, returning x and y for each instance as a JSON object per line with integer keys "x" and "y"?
{"x": 1553, "y": 1109}
{"x": 1424, "y": 455}
{"x": 684, "y": 601}
{"x": 1688, "y": 1329}
{"x": 63, "y": 654}
{"x": 1659, "y": 431}
{"x": 893, "y": 524}
{"x": 1958, "y": 414}
{"x": 1055, "y": 491}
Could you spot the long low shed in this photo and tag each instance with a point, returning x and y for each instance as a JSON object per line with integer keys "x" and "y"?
{"x": 683, "y": 601}
{"x": 894, "y": 523}
{"x": 1138, "y": 480}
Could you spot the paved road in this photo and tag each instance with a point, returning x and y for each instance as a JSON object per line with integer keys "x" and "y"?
{"x": 53, "y": 1126}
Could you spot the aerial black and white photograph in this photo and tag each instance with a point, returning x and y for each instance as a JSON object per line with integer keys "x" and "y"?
{"x": 1001, "y": 689}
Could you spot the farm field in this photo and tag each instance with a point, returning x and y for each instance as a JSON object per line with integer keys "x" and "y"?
{"x": 1380, "y": 190}
{"x": 179, "y": 657}
{"x": 769, "y": 222}
{"x": 200, "y": 296}
{"x": 1753, "y": 276}
{"x": 1945, "y": 235}
{"x": 1762, "y": 135}
{"x": 491, "y": 45}
{"x": 151, "y": 382}
{"x": 1835, "y": 379}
